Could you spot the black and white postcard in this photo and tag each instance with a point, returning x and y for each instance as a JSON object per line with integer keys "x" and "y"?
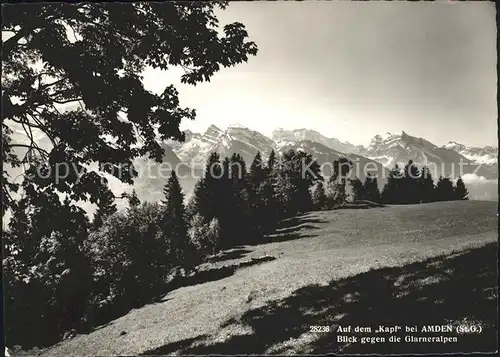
{"x": 249, "y": 178}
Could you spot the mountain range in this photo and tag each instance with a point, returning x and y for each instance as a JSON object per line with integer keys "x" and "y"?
{"x": 384, "y": 150}
{"x": 479, "y": 164}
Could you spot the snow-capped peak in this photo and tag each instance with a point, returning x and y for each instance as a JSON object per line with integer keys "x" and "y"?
{"x": 212, "y": 128}
{"x": 483, "y": 155}
{"x": 388, "y": 149}
{"x": 453, "y": 144}
{"x": 236, "y": 126}
{"x": 298, "y": 135}
{"x": 386, "y": 136}
{"x": 212, "y": 132}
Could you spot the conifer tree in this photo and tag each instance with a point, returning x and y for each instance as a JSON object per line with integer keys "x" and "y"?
{"x": 238, "y": 170}
{"x": 226, "y": 176}
{"x": 410, "y": 184}
{"x": 444, "y": 189}
{"x": 238, "y": 212}
{"x": 319, "y": 197}
{"x": 290, "y": 169}
{"x": 285, "y": 191}
{"x": 257, "y": 173}
{"x": 133, "y": 200}
{"x": 223, "y": 216}
{"x": 426, "y": 185}
{"x": 460, "y": 190}
{"x": 269, "y": 211}
{"x": 391, "y": 192}
{"x": 256, "y": 179}
{"x": 271, "y": 162}
{"x": 297, "y": 172}
{"x": 105, "y": 207}
{"x": 358, "y": 189}
{"x": 370, "y": 188}
{"x": 190, "y": 208}
{"x": 174, "y": 222}
{"x": 207, "y": 193}
{"x": 223, "y": 194}
{"x": 309, "y": 174}
{"x": 337, "y": 182}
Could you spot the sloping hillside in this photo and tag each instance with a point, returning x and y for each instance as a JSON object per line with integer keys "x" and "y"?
{"x": 314, "y": 280}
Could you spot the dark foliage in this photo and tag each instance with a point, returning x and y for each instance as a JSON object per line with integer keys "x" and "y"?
{"x": 92, "y": 56}
{"x": 271, "y": 162}
{"x": 392, "y": 189}
{"x": 236, "y": 216}
{"x": 262, "y": 202}
{"x": 88, "y": 100}
{"x": 131, "y": 258}
{"x": 371, "y": 190}
{"x": 254, "y": 200}
{"x": 460, "y": 191}
{"x": 208, "y": 190}
{"x": 412, "y": 186}
{"x": 319, "y": 198}
{"x": 409, "y": 189}
{"x": 133, "y": 200}
{"x": 426, "y": 188}
{"x": 337, "y": 183}
{"x": 105, "y": 207}
{"x": 295, "y": 175}
{"x": 358, "y": 189}
{"x": 174, "y": 225}
{"x": 444, "y": 190}
{"x": 44, "y": 258}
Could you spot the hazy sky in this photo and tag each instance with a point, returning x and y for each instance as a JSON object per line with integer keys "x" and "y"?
{"x": 354, "y": 69}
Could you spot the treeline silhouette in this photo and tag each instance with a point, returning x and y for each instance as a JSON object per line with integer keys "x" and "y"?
{"x": 407, "y": 186}
{"x": 413, "y": 185}
{"x": 64, "y": 274}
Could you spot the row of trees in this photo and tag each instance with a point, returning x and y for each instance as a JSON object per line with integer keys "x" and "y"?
{"x": 367, "y": 190}
{"x": 413, "y": 185}
{"x": 249, "y": 203}
{"x": 408, "y": 186}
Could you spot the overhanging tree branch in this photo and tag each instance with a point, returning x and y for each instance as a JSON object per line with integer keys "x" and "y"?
{"x": 67, "y": 100}
{"x": 10, "y": 44}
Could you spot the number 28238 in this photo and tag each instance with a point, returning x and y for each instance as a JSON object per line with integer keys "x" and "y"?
{"x": 319, "y": 329}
